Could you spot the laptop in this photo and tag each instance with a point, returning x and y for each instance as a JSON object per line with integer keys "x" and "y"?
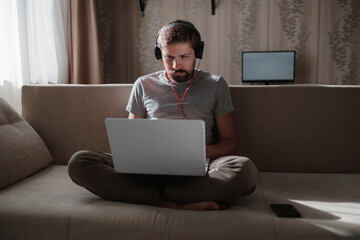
{"x": 160, "y": 147}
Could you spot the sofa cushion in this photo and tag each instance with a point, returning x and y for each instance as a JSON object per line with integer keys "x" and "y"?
{"x": 69, "y": 212}
{"x": 22, "y": 151}
{"x": 84, "y": 108}
{"x": 48, "y": 205}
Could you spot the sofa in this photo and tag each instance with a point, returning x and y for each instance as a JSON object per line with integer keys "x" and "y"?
{"x": 304, "y": 139}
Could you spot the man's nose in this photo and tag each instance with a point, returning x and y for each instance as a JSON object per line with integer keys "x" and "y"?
{"x": 176, "y": 64}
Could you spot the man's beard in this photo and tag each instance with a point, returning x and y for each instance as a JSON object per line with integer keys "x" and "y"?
{"x": 180, "y": 78}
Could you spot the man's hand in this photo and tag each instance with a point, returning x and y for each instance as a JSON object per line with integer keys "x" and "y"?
{"x": 133, "y": 116}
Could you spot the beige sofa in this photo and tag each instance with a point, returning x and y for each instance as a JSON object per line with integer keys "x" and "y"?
{"x": 305, "y": 140}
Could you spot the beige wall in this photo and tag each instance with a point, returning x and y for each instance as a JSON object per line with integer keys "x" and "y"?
{"x": 325, "y": 34}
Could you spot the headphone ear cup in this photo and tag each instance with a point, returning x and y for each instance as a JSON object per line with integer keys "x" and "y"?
{"x": 157, "y": 52}
{"x": 199, "y": 50}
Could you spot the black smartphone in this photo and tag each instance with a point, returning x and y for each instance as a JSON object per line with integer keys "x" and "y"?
{"x": 285, "y": 210}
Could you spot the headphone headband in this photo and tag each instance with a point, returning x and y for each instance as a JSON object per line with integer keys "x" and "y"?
{"x": 198, "y": 49}
{"x": 181, "y": 24}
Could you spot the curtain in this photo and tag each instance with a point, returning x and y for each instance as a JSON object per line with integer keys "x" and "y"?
{"x": 84, "y": 57}
{"x": 32, "y": 45}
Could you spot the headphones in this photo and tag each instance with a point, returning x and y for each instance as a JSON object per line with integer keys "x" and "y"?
{"x": 199, "y": 49}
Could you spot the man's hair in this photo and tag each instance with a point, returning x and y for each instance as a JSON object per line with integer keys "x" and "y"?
{"x": 171, "y": 34}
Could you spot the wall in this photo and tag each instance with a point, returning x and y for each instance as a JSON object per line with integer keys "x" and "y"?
{"x": 325, "y": 34}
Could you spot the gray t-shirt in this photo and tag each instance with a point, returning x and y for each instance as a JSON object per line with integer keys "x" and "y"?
{"x": 207, "y": 98}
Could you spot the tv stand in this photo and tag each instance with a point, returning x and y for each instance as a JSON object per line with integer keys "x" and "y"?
{"x": 266, "y": 83}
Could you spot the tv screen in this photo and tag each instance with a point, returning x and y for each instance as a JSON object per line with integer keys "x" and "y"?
{"x": 271, "y": 66}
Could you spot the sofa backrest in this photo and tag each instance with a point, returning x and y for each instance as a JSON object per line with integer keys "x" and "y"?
{"x": 299, "y": 128}
{"x": 72, "y": 117}
{"x": 288, "y": 128}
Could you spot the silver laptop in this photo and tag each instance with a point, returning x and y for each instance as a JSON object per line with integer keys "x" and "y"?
{"x": 161, "y": 147}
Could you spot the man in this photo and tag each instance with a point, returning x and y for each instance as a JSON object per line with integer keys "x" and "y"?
{"x": 180, "y": 91}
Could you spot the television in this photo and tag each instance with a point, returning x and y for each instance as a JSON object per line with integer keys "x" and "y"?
{"x": 267, "y": 67}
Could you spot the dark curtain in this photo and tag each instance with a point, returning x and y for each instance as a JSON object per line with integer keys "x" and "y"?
{"x": 84, "y": 54}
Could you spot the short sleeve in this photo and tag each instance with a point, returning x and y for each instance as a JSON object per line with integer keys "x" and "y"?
{"x": 223, "y": 103}
{"x": 136, "y": 104}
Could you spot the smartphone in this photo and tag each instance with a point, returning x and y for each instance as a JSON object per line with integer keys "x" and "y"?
{"x": 285, "y": 210}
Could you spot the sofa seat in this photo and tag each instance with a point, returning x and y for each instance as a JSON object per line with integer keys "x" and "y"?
{"x": 71, "y": 212}
{"x": 329, "y": 205}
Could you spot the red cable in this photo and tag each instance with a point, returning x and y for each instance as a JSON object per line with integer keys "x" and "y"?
{"x": 187, "y": 89}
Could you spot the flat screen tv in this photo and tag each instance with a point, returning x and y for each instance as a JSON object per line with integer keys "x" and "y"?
{"x": 268, "y": 67}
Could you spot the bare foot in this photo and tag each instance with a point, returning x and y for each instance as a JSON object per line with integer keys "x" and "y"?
{"x": 164, "y": 202}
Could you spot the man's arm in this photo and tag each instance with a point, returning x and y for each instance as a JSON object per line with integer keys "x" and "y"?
{"x": 228, "y": 138}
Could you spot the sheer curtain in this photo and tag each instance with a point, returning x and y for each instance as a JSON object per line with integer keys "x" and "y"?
{"x": 32, "y": 45}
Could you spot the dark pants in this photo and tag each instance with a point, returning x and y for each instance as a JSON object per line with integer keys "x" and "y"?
{"x": 227, "y": 179}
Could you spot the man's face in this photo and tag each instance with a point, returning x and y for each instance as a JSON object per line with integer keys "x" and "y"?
{"x": 179, "y": 61}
